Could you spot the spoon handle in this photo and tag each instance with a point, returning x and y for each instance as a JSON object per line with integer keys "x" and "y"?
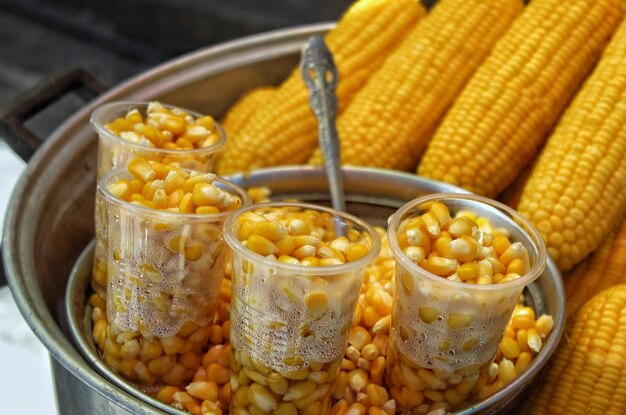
{"x": 320, "y": 76}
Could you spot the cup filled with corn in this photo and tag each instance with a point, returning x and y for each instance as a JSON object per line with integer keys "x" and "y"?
{"x": 462, "y": 262}
{"x": 296, "y": 275}
{"x": 155, "y": 132}
{"x": 166, "y": 258}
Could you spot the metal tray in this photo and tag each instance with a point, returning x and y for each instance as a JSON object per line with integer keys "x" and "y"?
{"x": 371, "y": 194}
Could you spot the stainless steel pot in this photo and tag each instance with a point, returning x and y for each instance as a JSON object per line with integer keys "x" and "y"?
{"x": 50, "y": 218}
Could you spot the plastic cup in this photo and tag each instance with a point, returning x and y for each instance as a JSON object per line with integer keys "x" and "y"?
{"x": 440, "y": 358}
{"x": 115, "y": 153}
{"x": 165, "y": 271}
{"x": 289, "y": 322}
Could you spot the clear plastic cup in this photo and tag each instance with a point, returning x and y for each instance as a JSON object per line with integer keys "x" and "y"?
{"x": 444, "y": 332}
{"x": 290, "y": 322}
{"x": 115, "y": 153}
{"x": 165, "y": 271}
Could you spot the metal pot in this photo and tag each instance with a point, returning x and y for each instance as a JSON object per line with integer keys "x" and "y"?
{"x": 50, "y": 217}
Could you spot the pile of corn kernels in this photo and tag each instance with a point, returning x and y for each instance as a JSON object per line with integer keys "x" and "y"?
{"x": 359, "y": 388}
{"x": 167, "y": 128}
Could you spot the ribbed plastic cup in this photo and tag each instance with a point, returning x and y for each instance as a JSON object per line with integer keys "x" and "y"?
{"x": 471, "y": 318}
{"x": 115, "y": 153}
{"x": 289, "y": 323}
{"x": 165, "y": 271}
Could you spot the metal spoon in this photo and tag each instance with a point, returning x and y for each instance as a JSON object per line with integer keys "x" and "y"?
{"x": 320, "y": 76}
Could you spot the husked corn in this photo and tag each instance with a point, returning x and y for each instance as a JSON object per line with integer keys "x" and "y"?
{"x": 390, "y": 119}
{"x": 586, "y": 373}
{"x": 283, "y": 130}
{"x": 505, "y": 113}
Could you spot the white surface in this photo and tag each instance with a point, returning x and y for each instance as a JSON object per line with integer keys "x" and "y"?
{"x": 25, "y": 377}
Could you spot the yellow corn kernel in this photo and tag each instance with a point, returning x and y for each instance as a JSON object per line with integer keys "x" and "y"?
{"x": 186, "y": 204}
{"x": 510, "y": 348}
{"x": 522, "y": 362}
{"x": 316, "y": 304}
{"x": 464, "y": 249}
{"x": 194, "y": 252}
{"x": 356, "y": 251}
{"x": 544, "y": 325}
{"x": 459, "y": 320}
{"x": 207, "y": 210}
{"x": 429, "y": 314}
{"x": 261, "y": 245}
{"x": 261, "y": 398}
{"x": 272, "y": 231}
{"x": 441, "y": 266}
{"x": 141, "y": 169}
{"x": 506, "y": 371}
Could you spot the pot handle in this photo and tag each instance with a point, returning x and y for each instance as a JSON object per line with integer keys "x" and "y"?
{"x": 13, "y": 116}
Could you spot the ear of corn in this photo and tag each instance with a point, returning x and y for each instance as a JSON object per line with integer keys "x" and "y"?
{"x": 241, "y": 111}
{"x": 587, "y": 374}
{"x": 512, "y": 194}
{"x": 284, "y": 130}
{"x": 576, "y": 192}
{"x": 390, "y": 119}
{"x": 602, "y": 270}
{"x": 510, "y": 105}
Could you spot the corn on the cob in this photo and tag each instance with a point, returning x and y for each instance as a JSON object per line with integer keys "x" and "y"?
{"x": 391, "y": 117}
{"x": 512, "y": 194}
{"x": 602, "y": 270}
{"x": 575, "y": 194}
{"x": 512, "y": 102}
{"x": 241, "y": 111}
{"x": 284, "y": 130}
{"x": 587, "y": 374}
{"x": 239, "y": 114}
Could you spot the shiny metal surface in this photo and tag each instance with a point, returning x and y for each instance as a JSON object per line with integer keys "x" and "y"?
{"x": 320, "y": 77}
{"x": 371, "y": 194}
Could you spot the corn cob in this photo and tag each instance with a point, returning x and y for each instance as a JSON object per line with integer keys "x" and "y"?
{"x": 587, "y": 373}
{"x": 284, "y": 130}
{"x": 390, "y": 119}
{"x": 512, "y": 194}
{"x": 602, "y": 270}
{"x": 241, "y": 111}
{"x": 512, "y": 102}
{"x": 576, "y": 193}
{"x": 239, "y": 114}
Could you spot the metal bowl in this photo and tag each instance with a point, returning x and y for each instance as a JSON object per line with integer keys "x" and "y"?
{"x": 371, "y": 194}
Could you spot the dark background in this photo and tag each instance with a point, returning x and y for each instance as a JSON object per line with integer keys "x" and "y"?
{"x": 114, "y": 39}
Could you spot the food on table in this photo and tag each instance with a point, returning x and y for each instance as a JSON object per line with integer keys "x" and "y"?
{"x": 502, "y": 117}
{"x": 389, "y": 121}
{"x": 296, "y": 275}
{"x": 284, "y": 130}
